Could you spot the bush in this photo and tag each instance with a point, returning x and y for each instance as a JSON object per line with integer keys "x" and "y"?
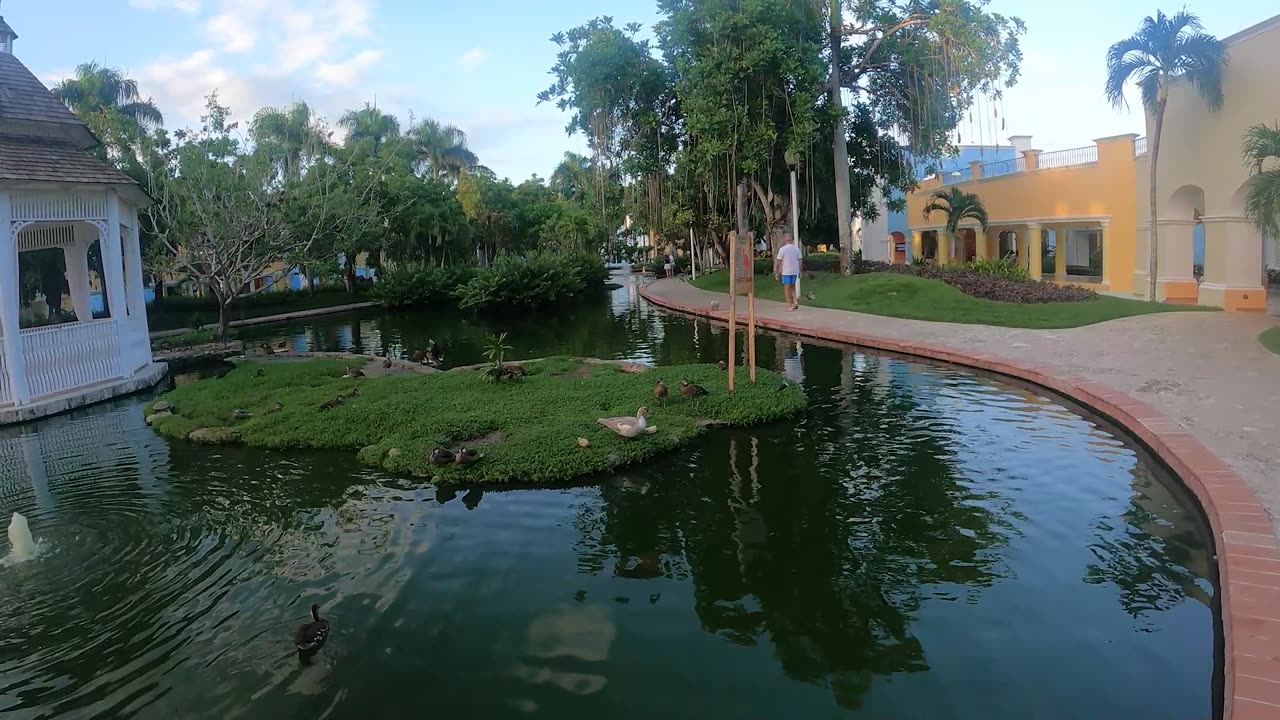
{"x": 654, "y": 266}
{"x": 1273, "y": 276}
{"x": 990, "y": 286}
{"x": 541, "y": 278}
{"x": 999, "y": 268}
{"x": 422, "y": 285}
{"x": 813, "y": 262}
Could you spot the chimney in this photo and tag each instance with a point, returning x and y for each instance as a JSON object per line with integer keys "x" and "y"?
{"x": 7, "y": 36}
{"x": 1020, "y": 143}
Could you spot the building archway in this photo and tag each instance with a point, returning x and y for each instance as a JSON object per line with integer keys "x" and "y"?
{"x": 897, "y": 248}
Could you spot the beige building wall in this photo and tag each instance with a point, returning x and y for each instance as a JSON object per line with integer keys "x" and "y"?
{"x": 1201, "y": 177}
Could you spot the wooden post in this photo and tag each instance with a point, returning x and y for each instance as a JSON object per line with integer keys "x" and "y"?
{"x": 733, "y": 306}
{"x": 751, "y": 315}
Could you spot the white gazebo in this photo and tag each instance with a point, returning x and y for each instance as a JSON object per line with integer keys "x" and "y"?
{"x": 55, "y": 195}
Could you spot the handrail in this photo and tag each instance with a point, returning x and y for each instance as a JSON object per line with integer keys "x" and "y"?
{"x": 1072, "y": 156}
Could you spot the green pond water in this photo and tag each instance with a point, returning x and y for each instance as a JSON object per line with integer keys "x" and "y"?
{"x": 923, "y": 543}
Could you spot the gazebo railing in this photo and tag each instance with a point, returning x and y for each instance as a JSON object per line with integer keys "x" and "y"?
{"x": 6, "y": 397}
{"x": 71, "y": 355}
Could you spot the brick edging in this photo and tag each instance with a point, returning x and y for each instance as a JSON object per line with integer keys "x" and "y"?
{"x": 1247, "y": 552}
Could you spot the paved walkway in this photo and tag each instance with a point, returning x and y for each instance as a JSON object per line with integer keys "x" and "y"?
{"x": 1206, "y": 371}
{"x": 1197, "y": 388}
{"x": 294, "y": 315}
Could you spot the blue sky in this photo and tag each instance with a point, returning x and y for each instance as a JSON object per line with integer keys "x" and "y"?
{"x": 480, "y": 64}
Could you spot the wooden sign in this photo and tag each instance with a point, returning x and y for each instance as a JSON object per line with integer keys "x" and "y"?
{"x": 742, "y": 282}
{"x": 744, "y": 265}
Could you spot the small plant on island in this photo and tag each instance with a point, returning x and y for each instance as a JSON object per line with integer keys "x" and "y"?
{"x": 495, "y": 351}
{"x": 521, "y": 433}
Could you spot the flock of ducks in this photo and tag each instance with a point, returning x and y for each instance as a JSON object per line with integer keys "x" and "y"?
{"x": 633, "y": 426}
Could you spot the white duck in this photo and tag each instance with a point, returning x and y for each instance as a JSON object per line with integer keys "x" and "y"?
{"x": 627, "y": 427}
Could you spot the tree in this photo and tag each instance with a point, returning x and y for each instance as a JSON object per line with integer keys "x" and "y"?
{"x": 368, "y": 128}
{"x": 110, "y": 104}
{"x": 1261, "y": 150}
{"x": 216, "y": 212}
{"x": 958, "y": 206}
{"x": 442, "y": 149}
{"x": 289, "y": 137}
{"x": 913, "y": 71}
{"x": 1165, "y": 48}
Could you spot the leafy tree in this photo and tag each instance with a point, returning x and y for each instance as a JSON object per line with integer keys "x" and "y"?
{"x": 290, "y": 137}
{"x": 958, "y": 206}
{"x": 369, "y": 128}
{"x": 487, "y": 203}
{"x": 216, "y": 213}
{"x": 442, "y": 149}
{"x": 110, "y": 104}
{"x": 1261, "y": 150}
{"x": 1165, "y": 48}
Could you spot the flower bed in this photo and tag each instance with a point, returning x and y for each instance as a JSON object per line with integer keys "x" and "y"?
{"x": 989, "y": 285}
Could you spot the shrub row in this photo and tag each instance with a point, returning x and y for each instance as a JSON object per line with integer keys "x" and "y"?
{"x": 541, "y": 278}
{"x": 989, "y": 284}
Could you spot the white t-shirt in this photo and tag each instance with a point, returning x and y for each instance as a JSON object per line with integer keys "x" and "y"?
{"x": 789, "y": 255}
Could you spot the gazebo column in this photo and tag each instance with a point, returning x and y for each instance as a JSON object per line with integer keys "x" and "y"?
{"x": 76, "y": 258}
{"x": 113, "y": 260}
{"x": 133, "y": 265}
{"x": 14, "y": 362}
{"x": 1034, "y": 250}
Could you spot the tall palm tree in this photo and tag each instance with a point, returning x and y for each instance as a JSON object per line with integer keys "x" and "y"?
{"x": 369, "y": 124}
{"x": 1261, "y": 149}
{"x": 289, "y": 136}
{"x": 958, "y": 206}
{"x": 1165, "y": 48}
{"x": 111, "y": 105}
{"x": 442, "y": 148}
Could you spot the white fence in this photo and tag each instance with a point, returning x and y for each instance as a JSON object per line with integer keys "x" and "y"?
{"x": 71, "y": 355}
{"x": 1140, "y": 147}
{"x": 1005, "y": 167}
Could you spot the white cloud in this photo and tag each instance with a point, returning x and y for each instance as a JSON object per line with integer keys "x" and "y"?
{"x": 231, "y": 32}
{"x": 347, "y": 73}
{"x": 190, "y": 7}
{"x": 473, "y": 58}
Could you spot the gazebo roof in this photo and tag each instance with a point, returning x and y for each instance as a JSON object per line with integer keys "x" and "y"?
{"x": 24, "y": 98}
{"x": 50, "y": 160}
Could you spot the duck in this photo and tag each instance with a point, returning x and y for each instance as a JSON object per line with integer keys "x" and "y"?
{"x": 440, "y": 456}
{"x": 810, "y": 296}
{"x": 466, "y": 456}
{"x": 715, "y": 305}
{"x": 266, "y": 349}
{"x": 354, "y": 372}
{"x": 627, "y": 427}
{"x": 722, "y": 365}
{"x": 282, "y": 345}
{"x": 331, "y": 404}
{"x": 660, "y": 390}
{"x": 418, "y": 356}
{"x": 310, "y": 636}
{"x": 386, "y": 364}
{"x": 275, "y": 408}
{"x": 690, "y": 390}
{"x": 259, "y": 373}
{"x": 239, "y": 414}
{"x": 355, "y": 392}
{"x": 437, "y": 353}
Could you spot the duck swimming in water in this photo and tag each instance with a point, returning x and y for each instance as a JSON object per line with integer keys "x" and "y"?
{"x": 310, "y": 636}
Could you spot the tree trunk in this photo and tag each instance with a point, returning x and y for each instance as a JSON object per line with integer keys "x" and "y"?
{"x": 349, "y": 275}
{"x": 1152, "y": 235}
{"x": 306, "y": 278}
{"x": 158, "y": 289}
{"x": 224, "y": 320}
{"x": 840, "y": 145}
{"x": 741, "y": 203}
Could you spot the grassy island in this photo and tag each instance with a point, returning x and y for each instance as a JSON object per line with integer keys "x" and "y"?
{"x": 527, "y": 428}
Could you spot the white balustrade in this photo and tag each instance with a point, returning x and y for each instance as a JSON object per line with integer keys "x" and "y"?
{"x": 1140, "y": 147}
{"x": 1064, "y": 158}
{"x": 70, "y": 355}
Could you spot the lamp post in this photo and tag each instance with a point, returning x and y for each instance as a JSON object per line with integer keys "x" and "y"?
{"x": 793, "y": 163}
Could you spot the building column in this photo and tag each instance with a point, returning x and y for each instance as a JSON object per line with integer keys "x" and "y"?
{"x": 917, "y": 245}
{"x": 1232, "y": 264}
{"x": 945, "y": 239}
{"x": 1034, "y": 243}
{"x": 1060, "y": 235}
{"x": 1108, "y": 251}
{"x": 1176, "y": 280}
{"x": 982, "y": 239}
{"x": 76, "y": 258}
{"x": 14, "y": 361}
{"x": 113, "y": 260}
{"x": 1141, "y": 260}
{"x": 1020, "y": 247}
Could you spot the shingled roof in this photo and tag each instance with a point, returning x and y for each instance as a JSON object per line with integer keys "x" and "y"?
{"x": 50, "y": 160}
{"x": 23, "y": 97}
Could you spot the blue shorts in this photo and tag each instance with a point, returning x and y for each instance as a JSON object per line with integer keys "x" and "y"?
{"x": 789, "y": 279}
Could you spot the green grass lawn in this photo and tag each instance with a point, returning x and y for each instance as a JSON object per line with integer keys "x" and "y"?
{"x": 527, "y": 429}
{"x": 1270, "y": 339}
{"x": 917, "y": 298}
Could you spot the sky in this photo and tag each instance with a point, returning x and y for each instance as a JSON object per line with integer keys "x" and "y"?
{"x": 480, "y": 65}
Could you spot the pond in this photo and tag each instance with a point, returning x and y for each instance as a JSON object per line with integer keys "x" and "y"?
{"x": 925, "y": 542}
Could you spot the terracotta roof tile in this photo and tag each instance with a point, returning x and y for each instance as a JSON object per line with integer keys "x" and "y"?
{"x": 25, "y": 158}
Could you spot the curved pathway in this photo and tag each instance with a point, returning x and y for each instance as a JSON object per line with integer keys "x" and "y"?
{"x": 1196, "y": 388}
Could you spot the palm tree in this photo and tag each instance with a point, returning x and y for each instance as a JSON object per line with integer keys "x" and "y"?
{"x": 958, "y": 206}
{"x": 289, "y": 137}
{"x": 1166, "y": 47}
{"x": 1262, "y": 197}
{"x": 369, "y": 124}
{"x": 442, "y": 148}
{"x": 110, "y": 104}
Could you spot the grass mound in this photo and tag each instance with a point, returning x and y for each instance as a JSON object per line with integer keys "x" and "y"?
{"x": 527, "y": 429}
{"x": 1270, "y": 339}
{"x": 917, "y": 298}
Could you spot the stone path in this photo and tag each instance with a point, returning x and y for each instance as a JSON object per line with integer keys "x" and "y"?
{"x": 1206, "y": 371}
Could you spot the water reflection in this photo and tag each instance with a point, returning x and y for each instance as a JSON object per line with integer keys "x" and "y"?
{"x": 922, "y": 543}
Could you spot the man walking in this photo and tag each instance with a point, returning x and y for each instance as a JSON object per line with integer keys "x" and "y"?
{"x": 786, "y": 267}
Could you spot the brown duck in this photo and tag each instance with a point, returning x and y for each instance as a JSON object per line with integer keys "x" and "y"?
{"x": 418, "y": 356}
{"x": 440, "y": 456}
{"x": 331, "y": 404}
{"x": 354, "y": 372}
{"x": 466, "y": 456}
{"x": 310, "y": 636}
{"x": 660, "y": 390}
{"x": 690, "y": 390}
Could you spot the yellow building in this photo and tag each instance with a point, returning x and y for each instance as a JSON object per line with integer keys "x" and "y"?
{"x": 1082, "y": 215}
